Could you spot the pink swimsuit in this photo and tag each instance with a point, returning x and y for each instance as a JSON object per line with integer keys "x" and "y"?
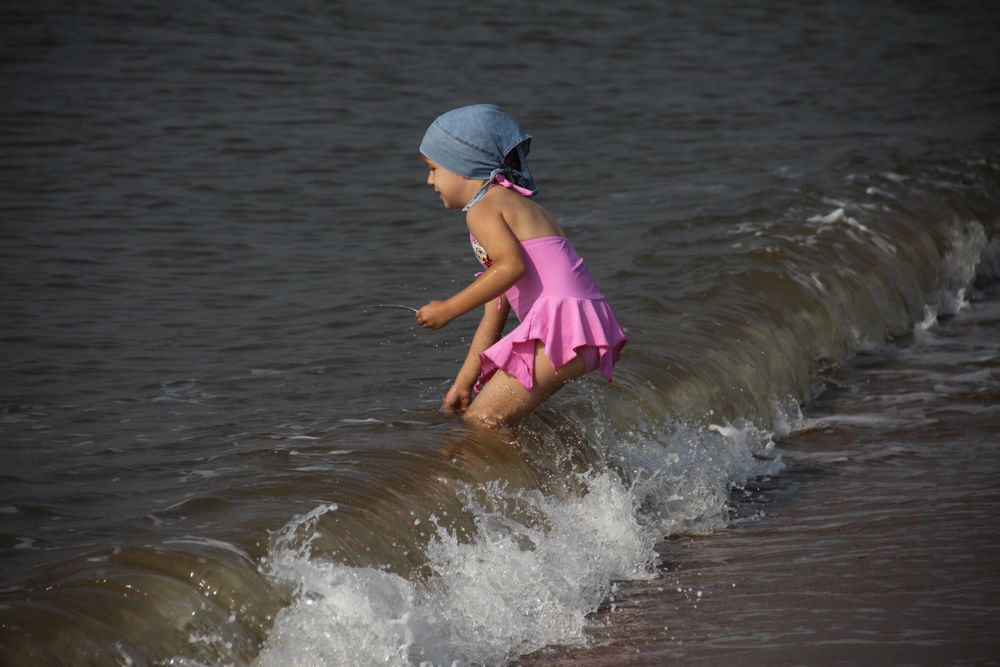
{"x": 559, "y": 304}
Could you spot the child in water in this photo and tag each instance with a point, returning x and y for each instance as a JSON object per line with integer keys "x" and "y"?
{"x": 476, "y": 157}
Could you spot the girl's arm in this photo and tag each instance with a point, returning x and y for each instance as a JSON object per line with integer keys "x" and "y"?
{"x": 488, "y": 332}
{"x": 489, "y": 226}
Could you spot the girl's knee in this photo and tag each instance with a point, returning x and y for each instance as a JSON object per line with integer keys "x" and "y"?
{"x": 485, "y": 418}
{"x": 503, "y": 401}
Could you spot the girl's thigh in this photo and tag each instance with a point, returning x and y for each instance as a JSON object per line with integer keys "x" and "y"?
{"x": 505, "y": 401}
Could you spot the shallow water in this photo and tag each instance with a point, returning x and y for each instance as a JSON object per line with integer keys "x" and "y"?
{"x": 877, "y": 544}
{"x": 216, "y": 451}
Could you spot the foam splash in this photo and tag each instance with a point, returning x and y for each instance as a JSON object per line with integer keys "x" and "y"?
{"x": 533, "y": 570}
{"x": 686, "y": 489}
{"x": 342, "y": 616}
{"x": 968, "y": 249}
{"x": 521, "y": 586}
{"x": 515, "y": 587}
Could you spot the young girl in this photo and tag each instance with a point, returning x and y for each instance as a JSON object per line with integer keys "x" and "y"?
{"x": 476, "y": 156}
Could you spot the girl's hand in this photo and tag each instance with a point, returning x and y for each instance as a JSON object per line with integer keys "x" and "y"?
{"x": 457, "y": 399}
{"x": 434, "y": 315}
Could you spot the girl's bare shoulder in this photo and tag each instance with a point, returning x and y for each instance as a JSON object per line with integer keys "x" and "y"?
{"x": 526, "y": 218}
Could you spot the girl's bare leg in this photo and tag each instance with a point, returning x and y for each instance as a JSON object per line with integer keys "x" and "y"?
{"x": 504, "y": 401}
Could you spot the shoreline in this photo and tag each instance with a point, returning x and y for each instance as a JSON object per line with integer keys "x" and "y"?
{"x": 877, "y": 544}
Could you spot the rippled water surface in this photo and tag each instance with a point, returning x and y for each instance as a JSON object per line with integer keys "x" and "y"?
{"x": 216, "y": 451}
{"x": 878, "y": 543}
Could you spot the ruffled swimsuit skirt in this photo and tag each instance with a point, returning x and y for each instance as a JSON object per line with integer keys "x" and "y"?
{"x": 559, "y": 304}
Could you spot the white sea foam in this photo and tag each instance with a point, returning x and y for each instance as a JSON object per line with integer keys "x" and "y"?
{"x": 895, "y": 178}
{"x": 686, "y": 489}
{"x": 517, "y": 584}
{"x": 828, "y": 219}
{"x": 25, "y": 543}
{"x": 840, "y": 215}
{"x": 514, "y": 588}
{"x": 851, "y": 419}
{"x": 968, "y": 249}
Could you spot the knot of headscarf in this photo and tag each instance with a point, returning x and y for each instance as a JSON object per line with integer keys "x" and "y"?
{"x": 475, "y": 141}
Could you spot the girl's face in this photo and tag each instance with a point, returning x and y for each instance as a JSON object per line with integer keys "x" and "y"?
{"x": 455, "y": 191}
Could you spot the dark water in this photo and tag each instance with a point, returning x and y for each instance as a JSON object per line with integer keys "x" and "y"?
{"x": 215, "y": 450}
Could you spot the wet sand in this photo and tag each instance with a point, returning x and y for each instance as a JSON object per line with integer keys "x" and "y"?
{"x": 878, "y": 545}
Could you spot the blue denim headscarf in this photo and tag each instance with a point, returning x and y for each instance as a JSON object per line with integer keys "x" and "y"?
{"x": 474, "y": 141}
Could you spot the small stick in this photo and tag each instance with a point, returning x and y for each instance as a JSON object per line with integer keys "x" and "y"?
{"x": 394, "y": 305}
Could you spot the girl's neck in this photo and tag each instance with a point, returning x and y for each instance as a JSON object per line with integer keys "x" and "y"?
{"x": 503, "y": 182}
